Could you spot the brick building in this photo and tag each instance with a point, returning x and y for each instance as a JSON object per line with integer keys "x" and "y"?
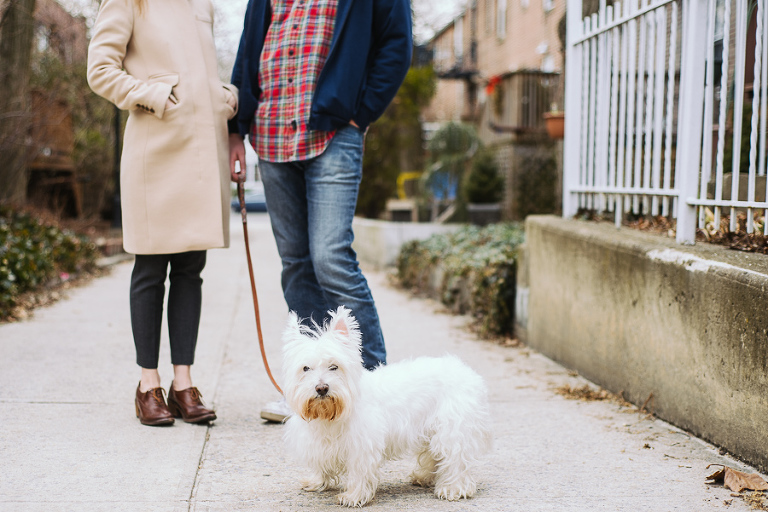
{"x": 58, "y": 31}
{"x": 500, "y": 64}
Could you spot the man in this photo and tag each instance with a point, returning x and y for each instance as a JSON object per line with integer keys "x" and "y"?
{"x": 312, "y": 75}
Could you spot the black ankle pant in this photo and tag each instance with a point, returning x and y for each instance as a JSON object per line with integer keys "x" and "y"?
{"x": 184, "y": 302}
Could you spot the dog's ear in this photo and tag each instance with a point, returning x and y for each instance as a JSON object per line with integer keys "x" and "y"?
{"x": 341, "y": 327}
{"x": 344, "y": 324}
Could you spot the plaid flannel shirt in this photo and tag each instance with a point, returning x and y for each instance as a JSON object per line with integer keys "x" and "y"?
{"x": 295, "y": 50}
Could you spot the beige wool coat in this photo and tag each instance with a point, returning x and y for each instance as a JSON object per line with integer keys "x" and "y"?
{"x": 174, "y": 171}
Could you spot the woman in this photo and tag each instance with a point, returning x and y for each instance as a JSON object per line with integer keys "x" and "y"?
{"x": 157, "y": 60}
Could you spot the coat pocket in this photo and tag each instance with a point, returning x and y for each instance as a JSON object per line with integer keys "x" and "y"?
{"x": 171, "y": 79}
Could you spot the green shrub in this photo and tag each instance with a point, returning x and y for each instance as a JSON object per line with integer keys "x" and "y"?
{"x": 32, "y": 255}
{"x": 484, "y": 183}
{"x": 480, "y": 260}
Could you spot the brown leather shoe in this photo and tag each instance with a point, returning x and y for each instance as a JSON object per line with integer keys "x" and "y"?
{"x": 151, "y": 408}
{"x": 187, "y": 405}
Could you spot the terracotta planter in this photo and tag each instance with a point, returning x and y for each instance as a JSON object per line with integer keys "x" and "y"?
{"x": 555, "y": 122}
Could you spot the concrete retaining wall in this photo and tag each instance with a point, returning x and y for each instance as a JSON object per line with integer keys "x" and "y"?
{"x": 377, "y": 242}
{"x": 639, "y": 314}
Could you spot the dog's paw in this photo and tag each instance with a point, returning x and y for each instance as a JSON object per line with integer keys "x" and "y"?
{"x": 453, "y": 494}
{"x": 349, "y": 500}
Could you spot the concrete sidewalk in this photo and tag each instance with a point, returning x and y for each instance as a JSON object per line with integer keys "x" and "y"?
{"x": 69, "y": 439}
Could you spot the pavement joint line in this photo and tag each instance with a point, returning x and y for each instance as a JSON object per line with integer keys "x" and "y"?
{"x": 222, "y": 358}
{"x": 196, "y": 481}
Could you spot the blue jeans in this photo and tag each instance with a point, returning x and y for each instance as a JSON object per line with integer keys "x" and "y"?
{"x": 311, "y": 205}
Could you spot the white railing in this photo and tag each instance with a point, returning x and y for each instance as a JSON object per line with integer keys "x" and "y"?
{"x": 649, "y": 128}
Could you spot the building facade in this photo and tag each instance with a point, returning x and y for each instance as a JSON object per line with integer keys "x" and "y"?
{"x": 500, "y": 66}
{"x": 478, "y": 55}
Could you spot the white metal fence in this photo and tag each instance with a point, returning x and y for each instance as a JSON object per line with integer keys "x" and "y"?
{"x": 662, "y": 98}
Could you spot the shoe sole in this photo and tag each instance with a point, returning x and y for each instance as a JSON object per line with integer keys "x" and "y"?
{"x": 158, "y": 423}
{"x": 176, "y": 411}
{"x": 203, "y": 419}
{"x": 273, "y": 417}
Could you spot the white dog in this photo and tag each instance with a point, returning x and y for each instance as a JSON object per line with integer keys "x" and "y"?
{"x": 348, "y": 420}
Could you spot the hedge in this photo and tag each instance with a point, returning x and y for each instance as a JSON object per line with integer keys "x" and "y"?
{"x": 472, "y": 270}
{"x": 34, "y": 255}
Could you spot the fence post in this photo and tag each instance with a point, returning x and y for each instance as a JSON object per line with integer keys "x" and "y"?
{"x": 573, "y": 77}
{"x": 689, "y": 133}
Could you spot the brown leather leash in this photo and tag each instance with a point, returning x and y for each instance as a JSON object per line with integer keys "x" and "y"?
{"x": 241, "y": 197}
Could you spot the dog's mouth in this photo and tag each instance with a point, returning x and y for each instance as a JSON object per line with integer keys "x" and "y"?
{"x": 322, "y": 407}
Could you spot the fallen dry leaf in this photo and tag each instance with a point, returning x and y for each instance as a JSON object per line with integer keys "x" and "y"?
{"x": 737, "y": 481}
{"x": 585, "y": 393}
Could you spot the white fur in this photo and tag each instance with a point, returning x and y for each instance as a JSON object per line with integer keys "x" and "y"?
{"x": 435, "y": 408}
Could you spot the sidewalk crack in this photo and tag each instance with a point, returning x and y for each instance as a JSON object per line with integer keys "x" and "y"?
{"x": 222, "y": 358}
{"x": 196, "y": 481}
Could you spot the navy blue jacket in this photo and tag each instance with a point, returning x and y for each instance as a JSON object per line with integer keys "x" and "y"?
{"x": 369, "y": 56}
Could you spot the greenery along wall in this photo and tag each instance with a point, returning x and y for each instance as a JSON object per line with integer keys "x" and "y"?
{"x": 472, "y": 271}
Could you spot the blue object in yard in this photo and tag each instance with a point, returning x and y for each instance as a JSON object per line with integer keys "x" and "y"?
{"x": 255, "y": 200}
{"x": 443, "y": 186}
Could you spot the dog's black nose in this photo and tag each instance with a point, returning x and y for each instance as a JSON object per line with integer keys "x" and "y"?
{"x": 322, "y": 389}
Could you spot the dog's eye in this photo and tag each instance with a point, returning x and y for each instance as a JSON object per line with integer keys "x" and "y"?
{"x": 333, "y": 367}
{"x": 306, "y": 368}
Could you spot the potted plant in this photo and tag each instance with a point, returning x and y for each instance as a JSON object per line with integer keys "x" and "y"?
{"x": 484, "y": 189}
{"x": 554, "y": 120}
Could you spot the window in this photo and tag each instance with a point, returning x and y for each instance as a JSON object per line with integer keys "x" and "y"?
{"x": 501, "y": 18}
{"x": 548, "y": 63}
{"x": 458, "y": 38}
